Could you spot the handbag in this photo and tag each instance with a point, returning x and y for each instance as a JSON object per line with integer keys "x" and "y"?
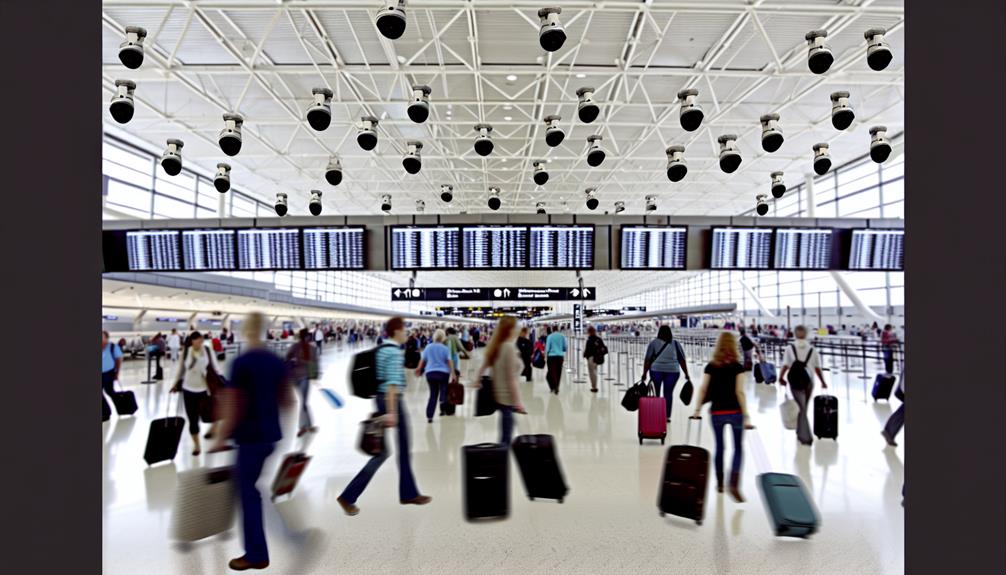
{"x": 630, "y": 401}
{"x": 372, "y": 435}
{"x": 485, "y": 401}
{"x": 790, "y": 412}
{"x": 686, "y": 392}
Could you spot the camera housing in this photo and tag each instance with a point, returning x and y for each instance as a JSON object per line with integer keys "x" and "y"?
{"x": 494, "y": 199}
{"x": 446, "y": 193}
{"x": 878, "y": 51}
{"x": 592, "y": 201}
{"x": 222, "y": 180}
{"x": 819, "y": 56}
{"x": 778, "y": 185}
{"x": 391, "y": 20}
{"x": 314, "y": 205}
{"x": 131, "y": 51}
{"x": 822, "y": 159}
{"x": 586, "y": 109}
{"x": 730, "y": 156}
{"x": 419, "y": 108}
{"x": 761, "y": 205}
{"x": 651, "y": 203}
{"x": 553, "y": 133}
{"x": 121, "y": 106}
{"x": 595, "y": 155}
{"x": 771, "y": 135}
{"x": 880, "y": 146}
{"x": 366, "y": 135}
{"x": 540, "y": 208}
{"x": 171, "y": 159}
{"x": 676, "y": 166}
{"x": 841, "y": 112}
{"x": 551, "y": 34}
{"x": 333, "y": 172}
{"x": 281, "y": 204}
{"x": 619, "y": 207}
{"x": 413, "y": 161}
{"x": 230, "y": 136}
{"x": 385, "y": 202}
{"x": 483, "y": 143}
{"x": 690, "y": 113}
{"x": 319, "y": 115}
{"x": 540, "y": 174}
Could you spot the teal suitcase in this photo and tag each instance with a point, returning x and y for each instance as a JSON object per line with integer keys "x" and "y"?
{"x": 789, "y": 507}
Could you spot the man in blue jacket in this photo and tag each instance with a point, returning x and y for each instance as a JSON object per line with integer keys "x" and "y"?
{"x": 555, "y": 354}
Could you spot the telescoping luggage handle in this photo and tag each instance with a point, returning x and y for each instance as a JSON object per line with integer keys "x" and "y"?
{"x": 688, "y": 430}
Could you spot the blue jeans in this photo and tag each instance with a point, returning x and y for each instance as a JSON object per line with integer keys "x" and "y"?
{"x": 251, "y": 457}
{"x": 406, "y": 482}
{"x": 668, "y": 379}
{"x": 736, "y": 421}
{"x": 506, "y": 424}
{"x": 895, "y": 422}
{"x": 438, "y": 388}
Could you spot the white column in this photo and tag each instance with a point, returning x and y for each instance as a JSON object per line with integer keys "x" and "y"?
{"x": 808, "y": 187}
{"x": 222, "y": 206}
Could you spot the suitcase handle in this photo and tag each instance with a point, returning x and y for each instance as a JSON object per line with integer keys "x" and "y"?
{"x": 688, "y": 430}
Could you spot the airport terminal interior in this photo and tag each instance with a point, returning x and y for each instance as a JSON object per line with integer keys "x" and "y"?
{"x": 590, "y": 169}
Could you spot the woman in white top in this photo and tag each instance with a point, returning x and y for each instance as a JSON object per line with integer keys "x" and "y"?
{"x": 196, "y": 379}
{"x": 503, "y": 358}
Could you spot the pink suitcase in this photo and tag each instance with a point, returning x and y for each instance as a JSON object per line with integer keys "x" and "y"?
{"x": 652, "y": 418}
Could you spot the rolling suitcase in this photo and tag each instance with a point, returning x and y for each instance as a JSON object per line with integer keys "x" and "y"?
{"x": 163, "y": 438}
{"x": 652, "y": 417}
{"x": 106, "y": 411}
{"x": 765, "y": 373}
{"x": 289, "y": 473}
{"x": 789, "y": 507}
{"x": 486, "y": 470}
{"x": 826, "y": 417}
{"x": 539, "y": 467}
{"x": 204, "y": 503}
{"x": 447, "y": 408}
{"x": 125, "y": 402}
{"x": 685, "y": 480}
{"x": 882, "y": 386}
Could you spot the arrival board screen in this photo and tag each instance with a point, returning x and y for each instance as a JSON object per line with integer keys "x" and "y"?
{"x": 500, "y": 247}
{"x": 741, "y": 248}
{"x": 333, "y": 248}
{"x": 877, "y": 250}
{"x": 425, "y": 248}
{"x": 207, "y": 250}
{"x": 562, "y": 247}
{"x": 803, "y": 249}
{"x": 269, "y": 249}
{"x": 654, "y": 248}
{"x": 153, "y": 250}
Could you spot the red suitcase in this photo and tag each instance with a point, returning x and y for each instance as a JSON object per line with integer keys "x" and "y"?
{"x": 289, "y": 473}
{"x": 652, "y": 418}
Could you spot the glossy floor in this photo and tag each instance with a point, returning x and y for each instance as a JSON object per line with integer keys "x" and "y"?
{"x": 608, "y": 523}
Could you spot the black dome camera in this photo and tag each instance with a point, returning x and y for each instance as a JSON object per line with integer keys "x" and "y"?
{"x": 419, "y": 109}
{"x": 880, "y": 146}
{"x": 841, "y": 113}
{"x": 878, "y": 52}
{"x": 586, "y": 109}
{"x": 171, "y": 159}
{"x": 319, "y": 115}
{"x": 778, "y": 186}
{"x": 690, "y": 114}
{"x": 595, "y": 155}
{"x": 121, "y": 106}
{"x": 222, "y": 180}
{"x": 676, "y": 166}
{"x": 822, "y": 159}
{"x": 551, "y": 34}
{"x": 771, "y": 135}
{"x": 730, "y": 156}
{"x": 819, "y": 56}
{"x": 391, "y": 20}
{"x": 413, "y": 161}
{"x": 483, "y": 143}
{"x": 131, "y": 51}
{"x": 540, "y": 174}
{"x": 553, "y": 133}
{"x": 366, "y": 135}
{"x": 230, "y": 136}
{"x": 333, "y": 172}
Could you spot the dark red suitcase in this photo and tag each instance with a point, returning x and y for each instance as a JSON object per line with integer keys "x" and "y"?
{"x": 289, "y": 473}
{"x": 685, "y": 481}
{"x": 455, "y": 393}
{"x": 652, "y": 418}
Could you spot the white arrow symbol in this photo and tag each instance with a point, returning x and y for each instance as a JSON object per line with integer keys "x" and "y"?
{"x": 586, "y": 292}
{"x": 398, "y": 293}
{"x": 575, "y": 292}
{"x": 506, "y": 292}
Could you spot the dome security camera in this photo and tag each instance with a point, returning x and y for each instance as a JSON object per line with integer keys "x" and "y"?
{"x": 333, "y": 172}
{"x": 171, "y": 159}
{"x": 595, "y": 155}
{"x": 385, "y": 202}
{"x": 131, "y": 51}
{"x": 822, "y": 159}
{"x": 551, "y": 34}
{"x": 319, "y": 115}
{"x": 586, "y": 109}
{"x": 121, "y": 106}
{"x": 540, "y": 174}
{"x": 281, "y": 204}
{"x": 366, "y": 135}
{"x": 419, "y": 109}
{"x": 413, "y": 161}
{"x": 730, "y": 156}
{"x": 553, "y": 133}
{"x": 651, "y": 203}
{"x": 222, "y": 181}
{"x": 494, "y": 199}
{"x": 841, "y": 113}
{"x": 446, "y": 193}
{"x": 391, "y": 20}
{"x": 592, "y": 201}
{"x": 540, "y": 208}
{"x": 880, "y": 146}
{"x": 690, "y": 114}
{"x": 619, "y": 207}
{"x": 878, "y": 51}
{"x": 771, "y": 135}
{"x": 761, "y": 205}
{"x": 314, "y": 205}
{"x": 483, "y": 143}
{"x": 230, "y": 136}
{"x": 676, "y": 166}
{"x": 819, "y": 56}
{"x": 420, "y": 206}
{"x": 778, "y": 185}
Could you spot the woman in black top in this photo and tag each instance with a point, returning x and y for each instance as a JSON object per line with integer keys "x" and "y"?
{"x": 589, "y": 353}
{"x": 723, "y": 384}
{"x": 525, "y": 347}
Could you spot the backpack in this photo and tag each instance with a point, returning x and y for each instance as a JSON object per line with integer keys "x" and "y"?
{"x": 363, "y": 373}
{"x": 600, "y": 350}
{"x": 799, "y": 377}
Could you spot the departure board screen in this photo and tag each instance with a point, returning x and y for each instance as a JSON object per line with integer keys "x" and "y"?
{"x": 562, "y": 247}
{"x": 499, "y": 247}
{"x": 333, "y": 248}
{"x": 269, "y": 249}
{"x": 153, "y": 250}
{"x": 208, "y": 250}
{"x": 741, "y": 249}
{"x": 803, "y": 249}
{"x": 877, "y": 250}
{"x": 425, "y": 248}
{"x": 655, "y": 248}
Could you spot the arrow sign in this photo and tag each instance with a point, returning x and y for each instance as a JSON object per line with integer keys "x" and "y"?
{"x": 398, "y": 293}
{"x": 506, "y": 292}
{"x": 575, "y": 292}
{"x": 586, "y": 292}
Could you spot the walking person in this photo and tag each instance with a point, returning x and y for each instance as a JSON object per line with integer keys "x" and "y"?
{"x": 555, "y": 355}
{"x": 111, "y": 363}
{"x": 302, "y": 364}
{"x": 889, "y": 343}
{"x": 502, "y": 357}
{"x": 174, "y": 345}
{"x": 438, "y": 367}
{"x": 723, "y": 385}
{"x": 749, "y": 347}
{"x": 319, "y": 338}
{"x": 192, "y": 380}
{"x": 590, "y": 351}
{"x": 390, "y": 405}
{"x": 800, "y": 361}
{"x": 664, "y": 361}
{"x": 897, "y": 419}
{"x": 526, "y": 348}
{"x": 457, "y": 350}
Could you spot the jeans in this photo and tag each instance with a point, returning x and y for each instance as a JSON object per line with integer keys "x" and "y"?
{"x": 527, "y": 373}
{"x": 888, "y": 360}
{"x": 668, "y": 379}
{"x": 506, "y": 424}
{"x": 554, "y": 374}
{"x": 736, "y": 422}
{"x": 108, "y": 382}
{"x": 438, "y": 388}
{"x": 406, "y": 482}
{"x": 304, "y": 388}
{"x": 592, "y": 372}
{"x": 802, "y": 398}
{"x": 895, "y": 422}
{"x": 251, "y": 458}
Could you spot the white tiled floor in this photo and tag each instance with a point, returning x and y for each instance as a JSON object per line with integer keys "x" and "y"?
{"x": 608, "y": 523}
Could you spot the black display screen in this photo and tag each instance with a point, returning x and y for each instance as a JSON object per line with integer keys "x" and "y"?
{"x": 334, "y": 248}
{"x": 562, "y": 247}
{"x": 142, "y": 250}
{"x": 269, "y": 249}
{"x": 208, "y": 250}
{"x": 425, "y": 247}
{"x": 495, "y": 247}
{"x": 804, "y": 249}
{"x": 655, "y": 248}
{"x": 741, "y": 249}
{"x": 877, "y": 250}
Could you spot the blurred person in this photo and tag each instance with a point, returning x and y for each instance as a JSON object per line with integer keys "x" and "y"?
{"x": 438, "y": 367}
{"x": 156, "y": 351}
{"x": 664, "y": 360}
{"x": 555, "y": 355}
{"x": 590, "y": 350}
{"x": 412, "y": 355}
{"x": 897, "y": 419}
{"x": 456, "y": 348}
{"x": 319, "y": 338}
{"x": 218, "y": 347}
{"x": 174, "y": 344}
{"x": 111, "y": 363}
{"x": 390, "y": 405}
{"x": 749, "y": 347}
{"x": 502, "y": 358}
{"x": 302, "y": 365}
{"x": 192, "y": 379}
{"x": 723, "y": 385}
{"x": 526, "y": 348}
{"x": 801, "y": 361}
{"x": 889, "y": 343}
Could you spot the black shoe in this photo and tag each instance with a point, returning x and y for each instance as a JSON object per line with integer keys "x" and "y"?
{"x": 242, "y": 564}
{"x": 890, "y": 440}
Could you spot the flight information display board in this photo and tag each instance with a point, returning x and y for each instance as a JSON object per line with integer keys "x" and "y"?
{"x": 208, "y": 250}
{"x": 425, "y": 247}
{"x": 494, "y": 247}
{"x": 803, "y": 249}
{"x": 334, "y": 248}
{"x": 741, "y": 249}
{"x": 269, "y": 249}
{"x": 562, "y": 247}
{"x": 153, "y": 250}
{"x": 655, "y": 248}
{"x": 878, "y": 250}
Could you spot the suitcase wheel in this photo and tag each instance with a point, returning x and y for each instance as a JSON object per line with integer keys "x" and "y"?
{"x": 531, "y": 498}
{"x": 560, "y": 500}
{"x": 661, "y": 441}
{"x": 698, "y": 522}
{"x": 662, "y": 514}
{"x": 640, "y": 439}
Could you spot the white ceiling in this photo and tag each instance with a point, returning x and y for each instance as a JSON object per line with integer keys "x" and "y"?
{"x": 261, "y": 58}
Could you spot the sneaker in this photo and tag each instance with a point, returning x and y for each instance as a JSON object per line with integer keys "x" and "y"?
{"x": 242, "y": 564}
{"x": 419, "y": 500}
{"x": 349, "y": 508}
{"x": 890, "y": 440}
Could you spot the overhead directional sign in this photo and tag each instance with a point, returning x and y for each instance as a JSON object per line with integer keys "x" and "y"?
{"x": 493, "y": 294}
{"x": 407, "y": 294}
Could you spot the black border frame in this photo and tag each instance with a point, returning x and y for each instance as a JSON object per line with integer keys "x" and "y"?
{"x": 852, "y": 233}
{"x": 303, "y": 248}
{"x": 771, "y": 249}
{"x": 621, "y": 265}
{"x": 593, "y": 247}
{"x": 390, "y": 247}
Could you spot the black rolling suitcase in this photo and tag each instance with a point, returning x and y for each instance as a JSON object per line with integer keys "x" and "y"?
{"x": 106, "y": 411}
{"x": 125, "y": 402}
{"x": 882, "y": 386}
{"x": 685, "y": 480}
{"x": 826, "y": 417}
{"x": 789, "y": 507}
{"x": 486, "y": 470}
{"x": 163, "y": 438}
{"x": 539, "y": 467}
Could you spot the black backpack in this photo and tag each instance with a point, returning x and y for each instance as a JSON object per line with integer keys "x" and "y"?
{"x": 363, "y": 373}
{"x": 799, "y": 377}
{"x": 600, "y": 350}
